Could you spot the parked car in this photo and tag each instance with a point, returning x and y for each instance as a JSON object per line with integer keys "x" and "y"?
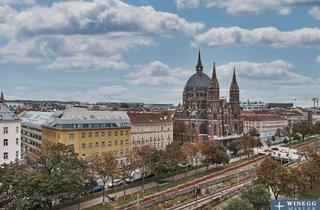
{"x": 115, "y": 183}
{"x": 185, "y": 165}
{"x": 134, "y": 175}
{"x": 97, "y": 188}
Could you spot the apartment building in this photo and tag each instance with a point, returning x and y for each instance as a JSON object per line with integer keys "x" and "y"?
{"x": 10, "y": 126}
{"x": 91, "y": 133}
{"x": 153, "y": 129}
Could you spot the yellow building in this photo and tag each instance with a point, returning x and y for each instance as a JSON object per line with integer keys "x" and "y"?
{"x": 91, "y": 133}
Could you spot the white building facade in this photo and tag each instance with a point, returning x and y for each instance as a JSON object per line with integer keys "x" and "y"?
{"x": 153, "y": 129}
{"x": 10, "y": 135}
{"x": 266, "y": 125}
{"x": 31, "y": 128}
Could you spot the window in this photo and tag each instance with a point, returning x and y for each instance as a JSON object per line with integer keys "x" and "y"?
{"x": 17, "y": 154}
{"x": 97, "y": 144}
{"x": 121, "y": 133}
{"x": 121, "y": 142}
{"x": 71, "y": 136}
{"x": 127, "y": 133}
{"x": 5, "y": 130}
{"x": 116, "y": 133}
{"x": 17, "y": 141}
{"x": 90, "y": 135}
{"x": 83, "y": 145}
{"x": 103, "y": 144}
{"x": 83, "y": 135}
{"x": 127, "y": 141}
{"x": 116, "y": 142}
{"x": 109, "y": 144}
{"x": 83, "y": 156}
{"x": 109, "y": 133}
{"x": 5, "y": 156}
{"x": 90, "y": 145}
{"x": 103, "y": 134}
{"x": 17, "y": 129}
{"x": 5, "y": 142}
{"x": 96, "y": 135}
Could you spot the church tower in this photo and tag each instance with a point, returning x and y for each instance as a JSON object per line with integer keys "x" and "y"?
{"x": 213, "y": 105}
{"x": 235, "y": 104}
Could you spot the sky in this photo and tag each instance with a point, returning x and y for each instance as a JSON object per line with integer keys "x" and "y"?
{"x": 145, "y": 50}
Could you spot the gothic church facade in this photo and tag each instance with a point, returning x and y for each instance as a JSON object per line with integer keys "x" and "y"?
{"x": 212, "y": 116}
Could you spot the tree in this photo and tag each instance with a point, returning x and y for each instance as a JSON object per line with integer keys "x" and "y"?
{"x": 239, "y": 204}
{"x": 296, "y": 182}
{"x": 160, "y": 161}
{"x": 176, "y": 155}
{"x": 45, "y": 178}
{"x": 258, "y": 196}
{"x": 214, "y": 154}
{"x": 310, "y": 170}
{"x": 105, "y": 167}
{"x": 247, "y": 143}
{"x": 277, "y": 180}
{"x": 303, "y": 128}
{"x": 183, "y": 132}
{"x": 253, "y": 132}
{"x": 193, "y": 152}
{"x": 234, "y": 147}
{"x": 142, "y": 159}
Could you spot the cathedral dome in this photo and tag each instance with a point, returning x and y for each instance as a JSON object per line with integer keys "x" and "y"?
{"x": 198, "y": 81}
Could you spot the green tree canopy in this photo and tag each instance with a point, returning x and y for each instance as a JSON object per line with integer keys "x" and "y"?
{"x": 239, "y": 204}
{"x": 48, "y": 176}
{"x": 258, "y": 196}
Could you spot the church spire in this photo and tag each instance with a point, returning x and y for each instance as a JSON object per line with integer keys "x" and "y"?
{"x": 199, "y": 65}
{"x": 234, "y": 84}
{"x": 214, "y": 79}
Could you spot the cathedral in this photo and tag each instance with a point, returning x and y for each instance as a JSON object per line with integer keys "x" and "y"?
{"x": 212, "y": 116}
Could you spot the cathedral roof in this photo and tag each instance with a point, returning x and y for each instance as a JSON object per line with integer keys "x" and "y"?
{"x": 198, "y": 81}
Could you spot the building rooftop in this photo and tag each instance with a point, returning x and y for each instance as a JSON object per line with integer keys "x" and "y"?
{"x": 144, "y": 118}
{"x": 6, "y": 114}
{"x": 261, "y": 117}
{"x": 78, "y": 117}
{"x": 39, "y": 118}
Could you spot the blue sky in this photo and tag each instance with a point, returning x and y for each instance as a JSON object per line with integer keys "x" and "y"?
{"x": 144, "y": 51}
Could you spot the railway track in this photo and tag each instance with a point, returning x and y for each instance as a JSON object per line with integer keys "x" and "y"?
{"x": 170, "y": 193}
{"x": 199, "y": 202}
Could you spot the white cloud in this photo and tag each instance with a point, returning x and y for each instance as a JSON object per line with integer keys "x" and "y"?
{"x": 182, "y": 4}
{"x": 157, "y": 73}
{"x": 315, "y": 12}
{"x": 98, "y": 16}
{"x": 266, "y": 35}
{"x": 18, "y": 2}
{"x": 275, "y": 72}
{"x": 41, "y": 49}
{"x": 6, "y": 13}
{"x": 85, "y": 63}
{"x": 252, "y": 7}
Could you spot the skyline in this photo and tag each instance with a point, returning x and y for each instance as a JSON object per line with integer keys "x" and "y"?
{"x": 144, "y": 51}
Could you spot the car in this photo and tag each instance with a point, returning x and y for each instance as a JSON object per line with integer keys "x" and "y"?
{"x": 134, "y": 175}
{"x": 97, "y": 188}
{"x": 185, "y": 165}
{"x": 115, "y": 183}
